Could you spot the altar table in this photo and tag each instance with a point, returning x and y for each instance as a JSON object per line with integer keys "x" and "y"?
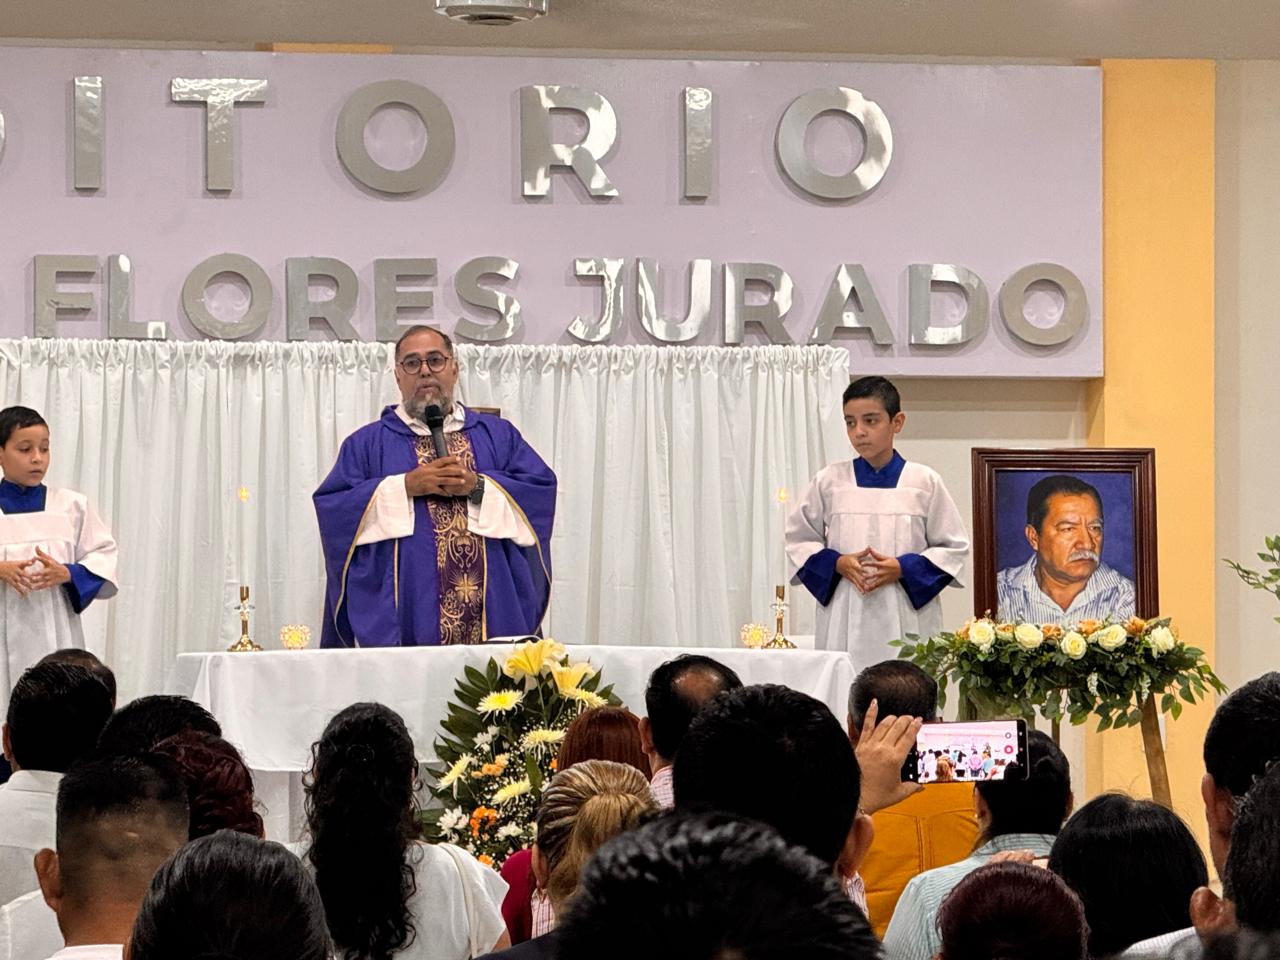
{"x": 274, "y": 704}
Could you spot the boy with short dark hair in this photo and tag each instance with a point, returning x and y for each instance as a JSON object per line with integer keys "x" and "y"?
{"x": 56, "y": 554}
{"x": 875, "y": 539}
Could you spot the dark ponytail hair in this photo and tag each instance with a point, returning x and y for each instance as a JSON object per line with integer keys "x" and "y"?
{"x": 1035, "y": 803}
{"x": 361, "y": 815}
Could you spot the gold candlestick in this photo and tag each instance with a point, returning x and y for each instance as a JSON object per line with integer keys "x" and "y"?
{"x": 780, "y": 642}
{"x": 244, "y": 644}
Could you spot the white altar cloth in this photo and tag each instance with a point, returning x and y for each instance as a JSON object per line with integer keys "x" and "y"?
{"x": 273, "y": 705}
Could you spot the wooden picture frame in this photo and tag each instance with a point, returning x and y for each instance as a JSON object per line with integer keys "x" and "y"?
{"x": 1125, "y": 480}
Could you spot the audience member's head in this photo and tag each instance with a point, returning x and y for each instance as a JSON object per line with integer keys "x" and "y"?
{"x": 1251, "y": 880}
{"x": 677, "y": 692}
{"x": 118, "y": 821}
{"x": 1243, "y": 738}
{"x": 229, "y": 895}
{"x": 83, "y": 658}
{"x": 710, "y": 887}
{"x": 603, "y": 733}
{"x": 360, "y": 811}
{"x": 582, "y": 807}
{"x": 141, "y": 724}
{"x": 1242, "y": 945}
{"x": 900, "y": 688}
{"x": 1013, "y": 911}
{"x": 219, "y": 786}
{"x": 56, "y": 712}
{"x": 1035, "y": 803}
{"x": 775, "y": 755}
{"x": 1135, "y": 866}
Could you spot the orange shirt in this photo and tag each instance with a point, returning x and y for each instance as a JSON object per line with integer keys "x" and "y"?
{"x": 931, "y": 829}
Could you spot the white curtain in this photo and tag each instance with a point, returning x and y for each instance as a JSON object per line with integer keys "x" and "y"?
{"x": 668, "y": 528}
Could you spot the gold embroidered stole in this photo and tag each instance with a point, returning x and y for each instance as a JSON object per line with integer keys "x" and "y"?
{"x": 460, "y": 558}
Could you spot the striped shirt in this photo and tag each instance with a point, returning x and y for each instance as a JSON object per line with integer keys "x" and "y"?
{"x": 1108, "y": 593}
{"x": 913, "y": 931}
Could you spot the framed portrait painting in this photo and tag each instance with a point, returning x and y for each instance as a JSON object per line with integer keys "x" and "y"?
{"x": 1065, "y": 535}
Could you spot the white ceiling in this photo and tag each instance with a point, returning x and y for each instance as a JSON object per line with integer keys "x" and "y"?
{"x": 1036, "y": 29}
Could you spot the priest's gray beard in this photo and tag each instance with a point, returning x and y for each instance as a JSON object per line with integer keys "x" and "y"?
{"x": 415, "y": 408}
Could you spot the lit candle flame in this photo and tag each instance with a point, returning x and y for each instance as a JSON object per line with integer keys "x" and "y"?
{"x": 243, "y": 494}
{"x": 781, "y": 495}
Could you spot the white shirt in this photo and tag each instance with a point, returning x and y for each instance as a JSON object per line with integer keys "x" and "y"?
{"x": 391, "y": 514}
{"x": 1106, "y": 594}
{"x": 28, "y": 929}
{"x": 97, "y": 951}
{"x": 28, "y": 818}
{"x": 70, "y": 531}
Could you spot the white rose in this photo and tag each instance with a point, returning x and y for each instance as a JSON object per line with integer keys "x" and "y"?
{"x": 1112, "y": 638}
{"x": 1162, "y": 640}
{"x": 982, "y": 635}
{"x": 1073, "y": 645}
{"x": 1028, "y": 635}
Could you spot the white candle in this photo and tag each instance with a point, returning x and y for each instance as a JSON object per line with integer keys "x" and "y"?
{"x": 242, "y": 495}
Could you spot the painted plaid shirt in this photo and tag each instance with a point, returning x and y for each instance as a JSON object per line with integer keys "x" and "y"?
{"x": 1108, "y": 593}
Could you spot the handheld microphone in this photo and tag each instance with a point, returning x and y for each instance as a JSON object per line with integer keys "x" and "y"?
{"x": 433, "y": 417}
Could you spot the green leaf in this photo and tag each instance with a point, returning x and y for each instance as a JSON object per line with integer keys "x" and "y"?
{"x": 477, "y": 678}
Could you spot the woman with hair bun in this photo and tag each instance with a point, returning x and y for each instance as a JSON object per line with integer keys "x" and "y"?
{"x": 386, "y": 894}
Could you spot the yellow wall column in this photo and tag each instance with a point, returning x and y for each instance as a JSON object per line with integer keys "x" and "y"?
{"x": 1158, "y": 389}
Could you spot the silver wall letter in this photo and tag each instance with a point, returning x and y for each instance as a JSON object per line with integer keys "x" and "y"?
{"x": 1, "y": 136}
{"x": 86, "y": 133}
{"x": 977, "y": 305}
{"x": 699, "y": 155}
{"x": 389, "y": 299}
{"x": 466, "y": 283}
{"x": 335, "y": 312}
{"x": 610, "y": 272}
{"x": 538, "y": 154}
{"x": 876, "y": 153}
{"x": 48, "y": 271}
{"x": 1074, "y": 311}
{"x": 255, "y": 314}
{"x": 219, "y": 98}
{"x": 434, "y": 163}
{"x": 737, "y": 314}
{"x": 649, "y": 297}
{"x": 851, "y": 288}
{"x": 120, "y": 325}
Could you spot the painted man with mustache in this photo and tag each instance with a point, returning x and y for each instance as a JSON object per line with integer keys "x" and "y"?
{"x": 1065, "y": 580}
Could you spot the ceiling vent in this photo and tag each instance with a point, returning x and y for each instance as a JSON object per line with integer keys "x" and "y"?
{"x": 498, "y": 13}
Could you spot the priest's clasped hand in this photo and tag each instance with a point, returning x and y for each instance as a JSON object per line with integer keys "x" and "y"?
{"x": 869, "y": 570}
{"x": 445, "y": 477}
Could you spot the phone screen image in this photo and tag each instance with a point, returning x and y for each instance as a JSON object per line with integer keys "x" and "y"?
{"x": 969, "y": 752}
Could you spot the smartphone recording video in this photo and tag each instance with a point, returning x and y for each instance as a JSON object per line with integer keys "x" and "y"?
{"x": 968, "y": 752}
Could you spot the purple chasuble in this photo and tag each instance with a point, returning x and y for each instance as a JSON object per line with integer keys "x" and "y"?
{"x": 442, "y": 584}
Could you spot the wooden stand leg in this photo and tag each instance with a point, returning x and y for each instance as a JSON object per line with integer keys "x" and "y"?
{"x": 1154, "y": 748}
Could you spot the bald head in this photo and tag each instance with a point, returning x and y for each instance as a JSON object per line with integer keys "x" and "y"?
{"x": 678, "y": 691}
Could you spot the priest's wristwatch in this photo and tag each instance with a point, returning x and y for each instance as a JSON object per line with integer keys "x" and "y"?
{"x": 477, "y": 492}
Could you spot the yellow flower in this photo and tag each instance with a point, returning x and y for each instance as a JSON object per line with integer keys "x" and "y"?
{"x": 586, "y": 697}
{"x": 533, "y": 658}
{"x": 1051, "y": 631}
{"x": 541, "y": 737}
{"x": 1112, "y": 638}
{"x": 1135, "y": 626}
{"x": 485, "y": 859}
{"x": 455, "y": 772}
{"x": 1086, "y": 627}
{"x": 1028, "y": 635}
{"x": 569, "y": 678}
{"x": 500, "y": 701}
{"x": 1073, "y": 645}
{"x": 1004, "y": 631}
{"x": 511, "y": 791}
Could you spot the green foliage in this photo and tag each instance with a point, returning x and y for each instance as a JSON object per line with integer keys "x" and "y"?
{"x": 1269, "y": 579}
{"x": 1005, "y": 678}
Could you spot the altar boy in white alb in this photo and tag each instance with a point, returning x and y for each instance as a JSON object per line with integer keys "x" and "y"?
{"x": 877, "y": 538}
{"x": 56, "y": 555}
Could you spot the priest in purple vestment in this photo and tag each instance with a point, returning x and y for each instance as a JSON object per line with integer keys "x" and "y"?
{"x": 422, "y": 550}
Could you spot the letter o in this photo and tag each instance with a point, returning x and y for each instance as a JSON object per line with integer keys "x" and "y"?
{"x": 876, "y": 154}
{"x": 260, "y": 297}
{"x": 434, "y": 163}
{"x": 1074, "y": 311}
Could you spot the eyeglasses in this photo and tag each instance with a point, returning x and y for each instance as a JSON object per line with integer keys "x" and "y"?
{"x": 435, "y": 362}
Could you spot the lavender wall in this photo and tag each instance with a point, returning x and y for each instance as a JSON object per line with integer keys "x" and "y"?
{"x": 994, "y": 167}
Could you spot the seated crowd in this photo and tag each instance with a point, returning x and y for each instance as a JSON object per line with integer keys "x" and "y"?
{"x": 730, "y": 822}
